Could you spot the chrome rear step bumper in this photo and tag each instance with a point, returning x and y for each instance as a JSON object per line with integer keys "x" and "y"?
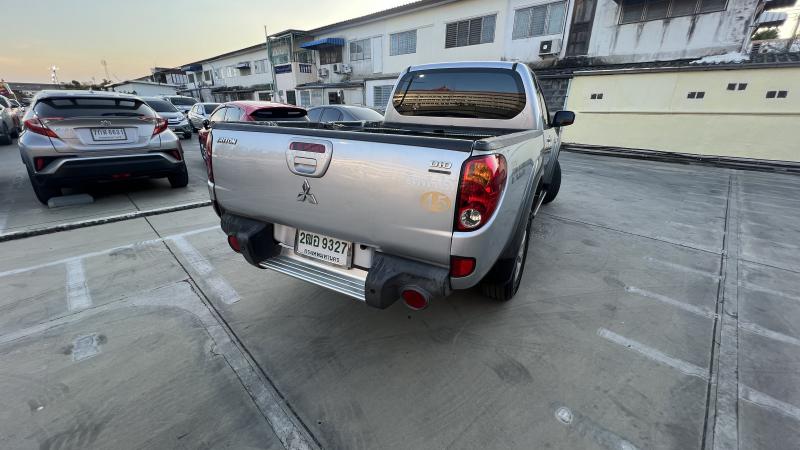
{"x": 348, "y": 282}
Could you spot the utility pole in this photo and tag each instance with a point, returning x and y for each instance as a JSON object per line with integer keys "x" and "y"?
{"x": 271, "y": 66}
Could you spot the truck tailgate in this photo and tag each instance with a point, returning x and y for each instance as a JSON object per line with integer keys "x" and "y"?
{"x": 396, "y": 196}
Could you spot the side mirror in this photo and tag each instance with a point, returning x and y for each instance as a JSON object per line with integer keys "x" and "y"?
{"x": 206, "y": 124}
{"x": 562, "y": 119}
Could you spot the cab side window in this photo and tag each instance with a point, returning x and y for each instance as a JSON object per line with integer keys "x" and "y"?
{"x": 233, "y": 115}
{"x": 218, "y": 116}
{"x": 314, "y": 114}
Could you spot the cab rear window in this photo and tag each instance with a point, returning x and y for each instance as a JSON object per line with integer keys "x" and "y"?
{"x": 92, "y": 107}
{"x": 468, "y": 93}
{"x": 282, "y": 114}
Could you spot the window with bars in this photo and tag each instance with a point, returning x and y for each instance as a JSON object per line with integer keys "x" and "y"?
{"x": 380, "y": 95}
{"x": 403, "y": 43}
{"x": 643, "y": 10}
{"x": 539, "y": 20}
{"x": 305, "y": 99}
{"x": 479, "y": 30}
{"x": 360, "y": 50}
{"x": 260, "y": 66}
{"x": 330, "y": 55}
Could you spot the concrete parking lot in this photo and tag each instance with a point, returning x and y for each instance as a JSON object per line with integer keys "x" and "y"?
{"x": 660, "y": 308}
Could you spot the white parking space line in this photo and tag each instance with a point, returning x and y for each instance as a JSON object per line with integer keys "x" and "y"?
{"x": 765, "y": 401}
{"x": 761, "y": 331}
{"x": 653, "y": 354}
{"x": 104, "y": 252}
{"x": 756, "y": 288}
{"x": 702, "y": 312}
{"x": 683, "y": 268}
{"x": 223, "y": 290}
{"x": 78, "y": 296}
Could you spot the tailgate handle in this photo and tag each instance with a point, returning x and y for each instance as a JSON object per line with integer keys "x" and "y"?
{"x": 308, "y": 157}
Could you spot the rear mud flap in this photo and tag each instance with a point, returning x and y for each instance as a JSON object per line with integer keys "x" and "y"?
{"x": 389, "y": 275}
{"x": 256, "y": 239}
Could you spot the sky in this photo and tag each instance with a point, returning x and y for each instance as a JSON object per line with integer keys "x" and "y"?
{"x": 133, "y": 36}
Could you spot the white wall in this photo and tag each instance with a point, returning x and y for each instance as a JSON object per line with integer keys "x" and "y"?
{"x": 144, "y": 89}
{"x": 238, "y": 79}
{"x": 679, "y": 37}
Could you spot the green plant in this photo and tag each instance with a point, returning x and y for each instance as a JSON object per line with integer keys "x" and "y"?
{"x": 769, "y": 33}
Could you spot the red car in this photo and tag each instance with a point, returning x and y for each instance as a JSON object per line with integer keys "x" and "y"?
{"x": 250, "y": 111}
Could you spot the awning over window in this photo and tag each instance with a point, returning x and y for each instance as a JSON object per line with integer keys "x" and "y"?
{"x": 327, "y": 42}
{"x": 771, "y": 19}
{"x": 243, "y": 65}
{"x": 193, "y": 68}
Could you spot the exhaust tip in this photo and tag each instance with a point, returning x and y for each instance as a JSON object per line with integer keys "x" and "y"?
{"x": 415, "y": 299}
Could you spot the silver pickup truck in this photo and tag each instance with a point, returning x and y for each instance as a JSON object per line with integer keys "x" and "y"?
{"x": 438, "y": 196}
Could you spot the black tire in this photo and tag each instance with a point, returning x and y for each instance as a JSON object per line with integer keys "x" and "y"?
{"x": 180, "y": 178}
{"x": 5, "y": 137}
{"x": 43, "y": 193}
{"x": 555, "y": 184}
{"x": 503, "y": 280}
{"x": 187, "y": 135}
{"x": 15, "y": 133}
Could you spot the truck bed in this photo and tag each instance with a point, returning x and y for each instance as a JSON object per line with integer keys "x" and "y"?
{"x": 452, "y": 138}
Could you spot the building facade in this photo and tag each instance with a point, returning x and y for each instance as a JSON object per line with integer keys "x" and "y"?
{"x": 144, "y": 88}
{"x": 243, "y": 74}
{"x": 357, "y": 61}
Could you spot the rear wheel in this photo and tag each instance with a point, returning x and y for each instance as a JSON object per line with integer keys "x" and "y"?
{"x": 187, "y": 135}
{"x": 43, "y": 193}
{"x": 555, "y": 184}
{"x": 5, "y": 136}
{"x": 503, "y": 280}
{"x": 180, "y": 178}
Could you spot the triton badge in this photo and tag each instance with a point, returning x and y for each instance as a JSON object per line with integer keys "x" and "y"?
{"x": 306, "y": 195}
{"x": 226, "y": 140}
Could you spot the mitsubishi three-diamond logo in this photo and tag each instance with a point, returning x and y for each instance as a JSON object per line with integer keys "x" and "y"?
{"x": 306, "y": 195}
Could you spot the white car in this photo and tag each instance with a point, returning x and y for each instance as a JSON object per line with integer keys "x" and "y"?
{"x": 199, "y": 113}
{"x": 9, "y": 122}
{"x": 184, "y": 104}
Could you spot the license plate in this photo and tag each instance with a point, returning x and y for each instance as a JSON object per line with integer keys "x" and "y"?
{"x": 323, "y": 248}
{"x": 109, "y": 134}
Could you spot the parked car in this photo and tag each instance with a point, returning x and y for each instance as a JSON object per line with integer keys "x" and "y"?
{"x": 249, "y": 111}
{"x": 9, "y": 123}
{"x": 176, "y": 120}
{"x": 199, "y": 113}
{"x": 339, "y": 113}
{"x": 184, "y": 104}
{"x": 439, "y": 196}
{"x": 74, "y": 137}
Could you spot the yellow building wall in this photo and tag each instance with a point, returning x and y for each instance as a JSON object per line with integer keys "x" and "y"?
{"x": 651, "y": 111}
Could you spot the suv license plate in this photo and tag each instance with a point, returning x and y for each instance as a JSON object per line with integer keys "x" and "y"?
{"x": 109, "y": 134}
{"x": 323, "y": 248}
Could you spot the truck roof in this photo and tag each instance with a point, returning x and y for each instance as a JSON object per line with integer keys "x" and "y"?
{"x": 465, "y": 64}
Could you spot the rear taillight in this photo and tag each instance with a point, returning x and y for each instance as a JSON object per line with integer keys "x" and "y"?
{"x": 161, "y": 125}
{"x": 176, "y": 154}
{"x": 39, "y": 163}
{"x": 39, "y": 126}
{"x": 483, "y": 179}
{"x": 209, "y": 167}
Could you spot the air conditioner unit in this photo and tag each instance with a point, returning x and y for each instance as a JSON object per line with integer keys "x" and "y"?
{"x": 322, "y": 72}
{"x": 342, "y": 68}
{"x": 346, "y": 68}
{"x": 549, "y": 47}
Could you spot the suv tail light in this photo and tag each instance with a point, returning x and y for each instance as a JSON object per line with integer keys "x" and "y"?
{"x": 483, "y": 179}
{"x": 161, "y": 125}
{"x": 39, "y": 126}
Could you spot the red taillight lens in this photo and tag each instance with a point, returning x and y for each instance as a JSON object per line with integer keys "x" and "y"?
{"x": 209, "y": 166}
{"x": 234, "y": 243}
{"x": 39, "y": 126}
{"x": 483, "y": 179}
{"x": 176, "y": 154}
{"x": 39, "y": 163}
{"x": 161, "y": 125}
{"x": 461, "y": 266}
{"x": 307, "y": 147}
